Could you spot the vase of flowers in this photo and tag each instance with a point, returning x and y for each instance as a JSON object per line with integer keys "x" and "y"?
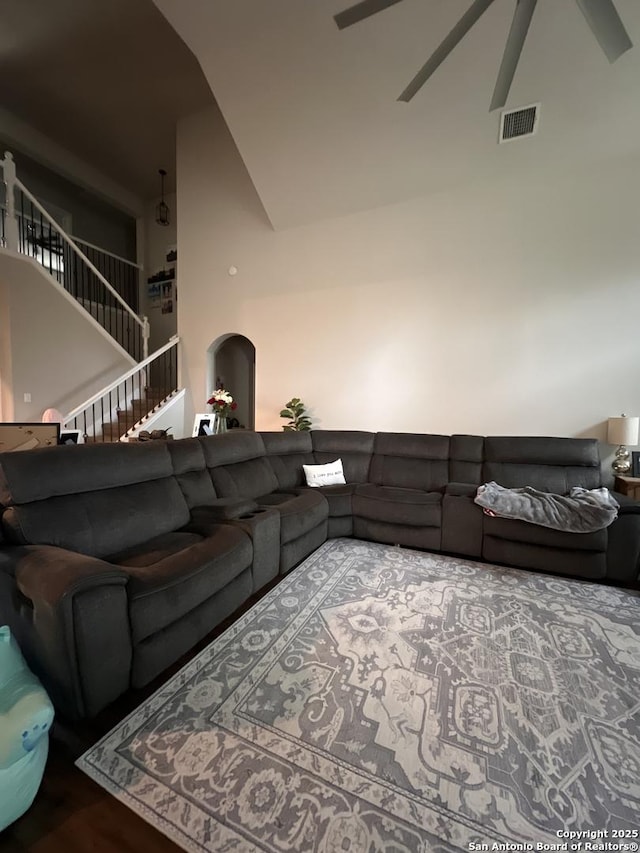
{"x": 222, "y": 404}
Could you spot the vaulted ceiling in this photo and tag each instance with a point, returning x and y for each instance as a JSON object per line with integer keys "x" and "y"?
{"x": 314, "y": 110}
{"x": 106, "y": 80}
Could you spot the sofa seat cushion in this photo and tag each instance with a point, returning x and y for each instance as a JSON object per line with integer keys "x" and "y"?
{"x": 339, "y": 498}
{"x": 174, "y": 573}
{"x": 534, "y": 534}
{"x": 398, "y": 506}
{"x": 299, "y": 513}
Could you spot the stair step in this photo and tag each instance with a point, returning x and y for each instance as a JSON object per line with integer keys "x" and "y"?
{"x": 126, "y": 418}
{"x": 138, "y": 407}
{"x": 144, "y": 406}
{"x": 112, "y": 432}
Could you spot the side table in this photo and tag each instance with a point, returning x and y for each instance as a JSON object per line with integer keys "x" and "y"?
{"x": 629, "y": 486}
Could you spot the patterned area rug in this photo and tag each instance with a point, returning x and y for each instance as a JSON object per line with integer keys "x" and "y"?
{"x": 381, "y": 699}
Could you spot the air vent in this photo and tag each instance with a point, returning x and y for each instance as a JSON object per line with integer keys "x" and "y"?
{"x": 514, "y": 124}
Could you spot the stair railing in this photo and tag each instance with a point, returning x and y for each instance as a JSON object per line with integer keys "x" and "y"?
{"x": 152, "y": 382}
{"x": 26, "y": 227}
{"x": 123, "y": 275}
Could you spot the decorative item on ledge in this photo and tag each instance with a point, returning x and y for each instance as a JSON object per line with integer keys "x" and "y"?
{"x": 162, "y": 275}
{"x": 153, "y": 435}
{"x": 622, "y": 431}
{"x": 298, "y": 420}
{"x": 162, "y": 211}
{"x": 222, "y": 404}
{"x": 219, "y": 423}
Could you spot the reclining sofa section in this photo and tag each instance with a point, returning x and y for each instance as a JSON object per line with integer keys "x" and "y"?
{"x": 418, "y": 491}
{"x": 117, "y": 559}
{"x": 105, "y": 577}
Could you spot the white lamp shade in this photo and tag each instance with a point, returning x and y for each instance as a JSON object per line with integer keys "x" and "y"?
{"x": 623, "y": 431}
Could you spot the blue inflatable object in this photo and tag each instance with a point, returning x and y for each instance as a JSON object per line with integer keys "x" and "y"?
{"x": 26, "y": 714}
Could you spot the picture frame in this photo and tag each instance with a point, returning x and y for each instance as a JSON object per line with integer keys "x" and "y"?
{"x": 71, "y": 436}
{"x": 635, "y": 463}
{"x": 28, "y": 436}
{"x": 203, "y": 424}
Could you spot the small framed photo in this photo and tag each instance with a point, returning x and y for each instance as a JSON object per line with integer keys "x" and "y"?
{"x": 635, "y": 463}
{"x": 203, "y": 424}
{"x": 70, "y": 436}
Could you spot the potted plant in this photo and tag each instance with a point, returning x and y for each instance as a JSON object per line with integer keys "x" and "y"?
{"x": 295, "y": 411}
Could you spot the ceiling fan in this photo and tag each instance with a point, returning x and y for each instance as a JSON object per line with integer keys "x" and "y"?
{"x": 601, "y": 15}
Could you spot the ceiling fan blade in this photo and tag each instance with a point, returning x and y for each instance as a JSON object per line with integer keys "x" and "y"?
{"x": 478, "y": 8}
{"x": 357, "y": 13}
{"x": 512, "y": 50}
{"x": 605, "y": 23}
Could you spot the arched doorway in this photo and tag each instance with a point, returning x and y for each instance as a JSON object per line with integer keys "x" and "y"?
{"x": 231, "y": 363}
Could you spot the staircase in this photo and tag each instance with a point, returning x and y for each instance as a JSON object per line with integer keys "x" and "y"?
{"x": 81, "y": 269}
{"x": 127, "y": 419}
{"x": 118, "y": 411}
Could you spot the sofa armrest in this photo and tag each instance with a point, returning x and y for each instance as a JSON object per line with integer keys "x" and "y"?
{"x": 623, "y": 546}
{"x": 47, "y": 575}
{"x": 223, "y": 509}
{"x": 69, "y": 613}
{"x": 262, "y": 524}
{"x": 462, "y": 520}
{"x": 628, "y": 506}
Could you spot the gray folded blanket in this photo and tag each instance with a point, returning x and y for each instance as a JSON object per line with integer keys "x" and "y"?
{"x": 581, "y": 511}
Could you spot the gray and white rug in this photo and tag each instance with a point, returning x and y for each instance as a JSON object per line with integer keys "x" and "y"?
{"x": 381, "y": 699}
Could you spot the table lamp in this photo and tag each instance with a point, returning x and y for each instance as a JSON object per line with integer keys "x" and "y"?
{"x": 622, "y": 431}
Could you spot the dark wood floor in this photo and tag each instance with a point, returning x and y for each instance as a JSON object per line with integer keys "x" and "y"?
{"x": 71, "y": 813}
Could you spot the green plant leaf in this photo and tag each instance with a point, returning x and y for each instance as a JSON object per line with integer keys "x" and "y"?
{"x": 295, "y": 411}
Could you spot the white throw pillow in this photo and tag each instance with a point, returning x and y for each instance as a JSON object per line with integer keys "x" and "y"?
{"x": 330, "y": 474}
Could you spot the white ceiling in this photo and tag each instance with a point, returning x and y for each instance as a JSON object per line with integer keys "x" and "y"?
{"x": 313, "y": 110}
{"x": 105, "y": 79}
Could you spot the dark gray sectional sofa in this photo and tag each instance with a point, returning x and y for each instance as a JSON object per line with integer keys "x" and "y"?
{"x": 116, "y": 559}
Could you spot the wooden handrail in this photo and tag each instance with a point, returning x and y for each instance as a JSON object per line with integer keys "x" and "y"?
{"x": 105, "y": 252}
{"x": 74, "y": 413}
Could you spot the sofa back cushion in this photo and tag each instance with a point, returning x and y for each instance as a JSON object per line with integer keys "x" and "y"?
{"x": 94, "y": 499}
{"x": 410, "y": 461}
{"x": 287, "y": 452}
{"x": 354, "y": 447}
{"x": 466, "y": 457}
{"x": 191, "y": 471}
{"x": 548, "y": 464}
{"x": 238, "y": 464}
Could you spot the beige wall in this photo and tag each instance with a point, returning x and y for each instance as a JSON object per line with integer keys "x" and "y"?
{"x": 49, "y": 349}
{"x": 490, "y": 308}
{"x": 158, "y": 239}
